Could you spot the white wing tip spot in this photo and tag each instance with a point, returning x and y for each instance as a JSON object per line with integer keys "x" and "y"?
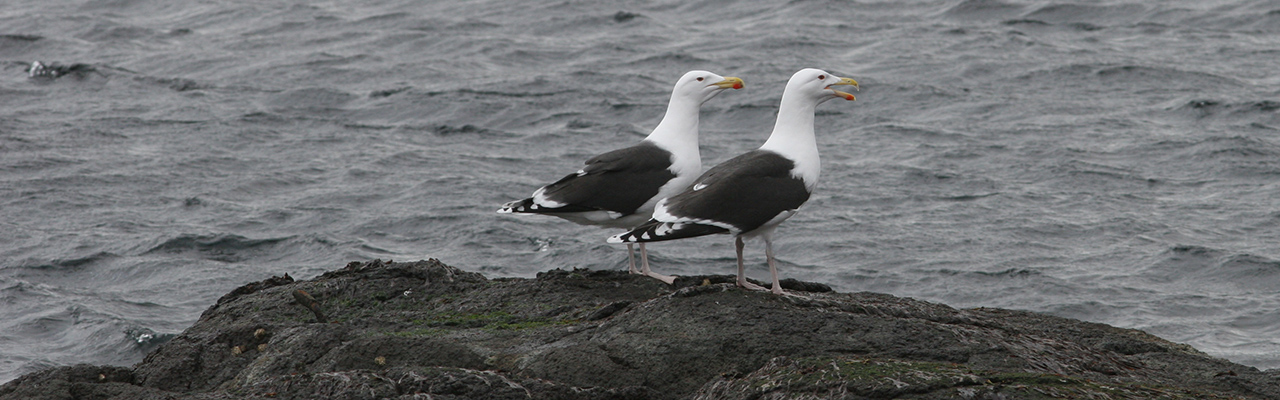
{"x": 662, "y": 230}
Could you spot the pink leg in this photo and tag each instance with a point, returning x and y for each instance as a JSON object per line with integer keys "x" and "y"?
{"x": 632, "y": 258}
{"x": 742, "y": 271}
{"x": 644, "y": 261}
{"x": 773, "y": 265}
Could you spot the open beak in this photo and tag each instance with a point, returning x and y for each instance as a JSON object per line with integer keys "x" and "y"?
{"x": 729, "y": 83}
{"x": 845, "y": 81}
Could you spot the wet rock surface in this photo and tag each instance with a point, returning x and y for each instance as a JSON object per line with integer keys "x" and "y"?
{"x": 425, "y": 329}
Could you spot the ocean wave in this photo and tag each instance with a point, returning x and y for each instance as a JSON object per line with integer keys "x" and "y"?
{"x": 1093, "y": 170}
{"x": 1259, "y": 111}
{"x": 1088, "y": 13}
{"x": 1253, "y": 17}
{"x": 217, "y": 247}
{"x": 1015, "y": 273}
{"x": 1131, "y": 75}
{"x": 1207, "y": 268}
{"x": 1164, "y": 74}
{"x": 12, "y": 44}
{"x": 988, "y": 9}
{"x": 10, "y": 37}
{"x": 678, "y": 60}
{"x": 1228, "y": 156}
{"x": 78, "y": 262}
{"x": 313, "y": 98}
{"x": 26, "y": 291}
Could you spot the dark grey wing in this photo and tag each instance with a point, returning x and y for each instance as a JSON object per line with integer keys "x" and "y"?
{"x": 621, "y": 180}
{"x": 744, "y": 192}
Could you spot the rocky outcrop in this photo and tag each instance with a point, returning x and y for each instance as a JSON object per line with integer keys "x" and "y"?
{"x": 428, "y": 330}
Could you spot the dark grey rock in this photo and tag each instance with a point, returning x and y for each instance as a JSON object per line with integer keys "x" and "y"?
{"x": 425, "y": 329}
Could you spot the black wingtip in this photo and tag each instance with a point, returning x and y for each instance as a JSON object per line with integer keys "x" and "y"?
{"x": 518, "y": 206}
{"x": 655, "y": 231}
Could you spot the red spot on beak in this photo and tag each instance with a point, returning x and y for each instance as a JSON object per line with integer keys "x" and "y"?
{"x": 737, "y": 86}
{"x": 848, "y": 97}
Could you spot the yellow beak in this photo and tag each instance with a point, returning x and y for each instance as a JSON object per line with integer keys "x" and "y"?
{"x": 845, "y": 81}
{"x": 729, "y": 82}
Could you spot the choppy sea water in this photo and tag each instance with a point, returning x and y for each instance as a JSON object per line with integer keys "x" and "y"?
{"x": 1112, "y": 161}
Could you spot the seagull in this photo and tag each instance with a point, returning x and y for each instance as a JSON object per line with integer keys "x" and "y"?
{"x": 618, "y": 189}
{"x": 749, "y": 195}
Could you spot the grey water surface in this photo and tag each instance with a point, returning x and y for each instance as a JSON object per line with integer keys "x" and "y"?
{"x": 1112, "y": 161}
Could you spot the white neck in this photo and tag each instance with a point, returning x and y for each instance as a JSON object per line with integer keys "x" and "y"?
{"x": 678, "y": 134}
{"x": 679, "y": 126}
{"x": 793, "y": 137}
